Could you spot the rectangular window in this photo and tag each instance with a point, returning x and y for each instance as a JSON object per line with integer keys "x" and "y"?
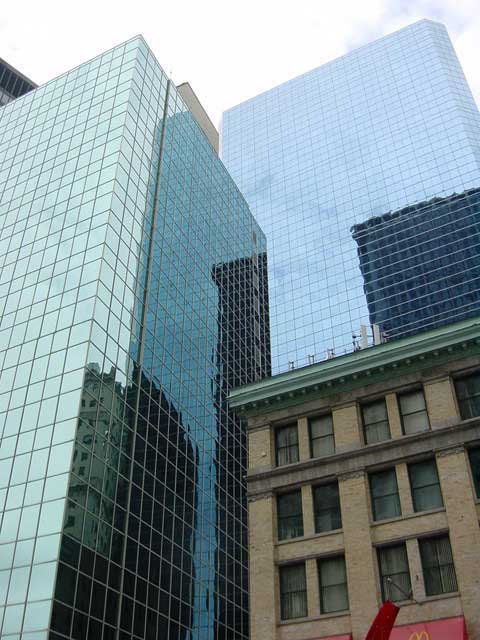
{"x": 437, "y": 564}
{"x": 322, "y": 442}
{"x": 474, "y": 455}
{"x": 286, "y": 444}
{"x": 394, "y": 573}
{"x": 375, "y": 422}
{"x": 413, "y": 412}
{"x": 293, "y": 592}
{"x": 333, "y": 585}
{"x": 425, "y": 485}
{"x": 384, "y": 493}
{"x": 326, "y": 506}
{"x": 290, "y": 518}
{"x": 468, "y": 395}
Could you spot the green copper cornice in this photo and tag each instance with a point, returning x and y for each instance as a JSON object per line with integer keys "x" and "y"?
{"x": 373, "y": 364}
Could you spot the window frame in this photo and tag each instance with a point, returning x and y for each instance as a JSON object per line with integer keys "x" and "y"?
{"x": 460, "y": 400}
{"x": 413, "y": 489}
{"x": 280, "y": 537}
{"x": 330, "y": 436}
{"x": 277, "y": 430}
{"x": 403, "y": 394}
{"x": 475, "y": 475}
{"x": 386, "y": 594}
{"x": 374, "y": 498}
{"x": 282, "y": 568}
{"x": 366, "y": 405}
{"x": 421, "y": 543}
{"x": 317, "y": 488}
{"x": 322, "y": 589}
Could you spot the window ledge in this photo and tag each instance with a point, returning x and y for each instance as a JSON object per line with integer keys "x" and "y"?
{"x": 310, "y": 536}
{"x": 440, "y": 596}
{"x": 408, "y": 516}
{"x": 321, "y": 616}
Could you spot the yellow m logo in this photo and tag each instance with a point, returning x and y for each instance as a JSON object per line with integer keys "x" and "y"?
{"x": 420, "y": 635}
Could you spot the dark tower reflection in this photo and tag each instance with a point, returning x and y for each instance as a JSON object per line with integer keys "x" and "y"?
{"x": 243, "y": 356}
{"x": 421, "y": 264}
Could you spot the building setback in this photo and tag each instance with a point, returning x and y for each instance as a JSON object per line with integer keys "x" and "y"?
{"x": 132, "y": 296}
{"x": 382, "y": 128}
{"x": 13, "y": 84}
{"x": 364, "y": 484}
{"x": 421, "y": 265}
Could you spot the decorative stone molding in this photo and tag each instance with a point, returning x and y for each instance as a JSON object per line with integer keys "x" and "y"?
{"x": 351, "y": 475}
{"x": 449, "y": 451}
{"x": 264, "y": 495}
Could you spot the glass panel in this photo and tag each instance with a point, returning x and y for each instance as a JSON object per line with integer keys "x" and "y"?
{"x": 438, "y": 568}
{"x": 413, "y": 412}
{"x": 293, "y": 592}
{"x": 286, "y": 439}
{"x": 326, "y": 504}
{"x": 333, "y": 585}
{"x": 322, "y": 441}
{"x": 474, "y": 455}
{"x": 426, "y": 493}
{"x": 290, "y": 518}
{"x": 394, "y": 573}
{"x": 375, "y": 419}
{"x": 385, "y": 498}
{"x": 468, "y": 395}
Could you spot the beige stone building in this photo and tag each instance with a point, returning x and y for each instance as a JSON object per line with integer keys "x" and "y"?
{"x": 364, "y": 485}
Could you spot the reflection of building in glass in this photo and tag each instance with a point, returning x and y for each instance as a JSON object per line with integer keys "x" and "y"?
{"x": 118, "y": 454}
{"x": 421, "y": 264}
{"x": 13, "y": 84}
{"x": 242, "y": 338}
{"x": 383, "y": 127}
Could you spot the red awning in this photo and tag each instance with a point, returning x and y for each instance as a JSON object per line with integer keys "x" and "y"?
{"x": 447, "y": 629}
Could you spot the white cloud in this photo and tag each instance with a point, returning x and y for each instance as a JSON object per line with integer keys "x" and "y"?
{"x": 228, "y": 50}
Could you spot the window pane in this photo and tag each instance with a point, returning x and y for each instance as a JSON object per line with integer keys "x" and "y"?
{"x": 394, "y": 573}
{"x": 468, "y": 395}
{"x": 290, "y": 519}
{"x": 375, "y": 421}
{"x": 413, "y": 412}
{"x": 426, "y": 493}
{"x": 333, "y": 585}
{"x": 286, "y": 440}
{"x": 438, "y": 567}
{"x": 322, "y": 441}
{"x": 474, "y": 455}
{"x": 326, "y": 503}
{"x": 385, "y": 498}
{"x": 322, "y": 426}
{"x": 293, "y": 592}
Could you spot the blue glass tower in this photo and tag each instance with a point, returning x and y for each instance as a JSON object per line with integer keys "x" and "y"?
{"x": 133, "y": 295}
{"x": 382, "y": 129}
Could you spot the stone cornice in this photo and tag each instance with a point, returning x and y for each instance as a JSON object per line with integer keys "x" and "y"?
{"x": 381, "y": 362}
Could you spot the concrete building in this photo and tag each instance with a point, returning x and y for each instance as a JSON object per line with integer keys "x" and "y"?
{"x": 364, "y": 484}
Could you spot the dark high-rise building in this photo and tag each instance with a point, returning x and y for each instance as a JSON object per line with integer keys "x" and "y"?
{"x": 13, "y": 84}
{"x": 421, "y": 264}
{"x": 133, "y": 295}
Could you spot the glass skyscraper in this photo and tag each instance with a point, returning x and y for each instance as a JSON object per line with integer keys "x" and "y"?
{"x": 133, "y": 295}
{"x": 331, "y": 161}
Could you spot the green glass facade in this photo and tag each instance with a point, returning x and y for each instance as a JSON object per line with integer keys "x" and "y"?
{"x": 133, "y": 296}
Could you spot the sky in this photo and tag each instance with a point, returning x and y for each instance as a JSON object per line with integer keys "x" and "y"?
{"x": 229, "y": 50}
